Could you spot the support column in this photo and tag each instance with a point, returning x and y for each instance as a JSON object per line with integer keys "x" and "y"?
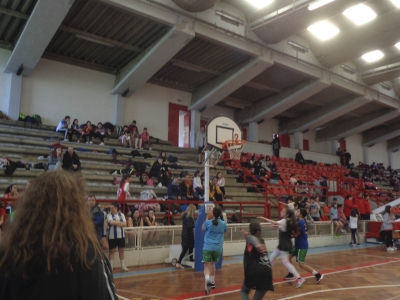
{"x": 253, "y": 132}
{"x": 14, "y": 96}
{"x": 119, "y": 110}
{"x": 365, "y": 155}
{"x": 390, "y": 158}
{"x": 334, "y": 145}
{"x": 298, "y": 140}
{"x": 194, "y": 126}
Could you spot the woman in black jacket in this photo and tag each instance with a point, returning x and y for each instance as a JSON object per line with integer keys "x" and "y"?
{"x": 187, "y": 234}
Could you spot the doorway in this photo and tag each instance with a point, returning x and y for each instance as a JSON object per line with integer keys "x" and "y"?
{"x": 179, "y": 125}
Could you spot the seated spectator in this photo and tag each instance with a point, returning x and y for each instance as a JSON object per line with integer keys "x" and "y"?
{"x": 215, "y": 192}
{"x": 150, "y": 221}
{"x": 136, "y": 136}
{"x": 292, "y": 179}
{"x": 132, "y": 126}
{"x": 221, "y": 182}
{"x": 197, "y": 185}
{"x": 63, "y": 128}
{"x": 300, "y": 188}
{"x": 160, "y": 171}
{"x": 125, "y": 137}
{"x": 341, "y": 217}
{"x": 299, "y": 158}
{"x": 109, "y": 128}
{"x": 314, "y": 208}
{"x": 11, "y": 192}
{"x": 136, "y": 221}
{"x": 335, "y": 220}
{"x": 55, "y": 159}
{"x": 71, "y": 161}
{"x": 163, "y": 155}
{"x": 99, "y": 218}
{"x": 252, "y": 160}
{"x": 99, "y": 133}
{"x": 174, "y": 193}
{"x": 87, "y": 132}
{"x": 77, "y": 130}
{"x": 145, "y": 139}
{"x": 272, "y": 167}
{"x": 353, "y": 174}
{"x": 187, "y": 188}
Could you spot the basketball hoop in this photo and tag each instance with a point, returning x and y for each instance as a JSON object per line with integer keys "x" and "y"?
{"x": 234, "y": 147}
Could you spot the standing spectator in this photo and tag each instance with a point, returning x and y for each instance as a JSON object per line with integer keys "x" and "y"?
{"x": 116, "y": 235}
{"x": 360, "y": 205}
{"x": 324, "y": 184}
{"x": 62, "y": 127}
{"x": 314, "y": 209}
{"x": 145, "y": 139}
{"x": 71, "y": 161}
{"x": 354, "y": 228}
{"x": 98, "y": 218}
{"x": 87, "y": 132}
{"x": 339, "y": 153}
{"x": 221, "y": 183}
{"x": 187, "y": 234}
{"x": 348, "y": 206}
{"x": 387, "y": 227}
{"x": 276, "y": 145}
{"x": 335, "y": 220}
{"x": 187, "y": 188}
{"x": 346, "y": 158}
{"x": 160, "y": 171}
{"x": 367, "y": 207}
{"x": 201, "y": 143}
{"x": 58, "y": 252}
{"x": 99, "y": 133}
{"x": 75, "y": 129}
{"x": 299, "y": 158}
{"x": 123, "y": 189}
{"x": 55, "y": 159}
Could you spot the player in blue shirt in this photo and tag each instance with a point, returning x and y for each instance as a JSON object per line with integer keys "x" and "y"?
{"x": 300, "y": 248}
{"x": 214, "y": 231}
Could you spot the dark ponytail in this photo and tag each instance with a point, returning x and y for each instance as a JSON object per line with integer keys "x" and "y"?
{"x": 255, "y": 229}
{"x": 217, "y": 212}
{"x": 292, "y": 225}
{"x": 124, "y": 178}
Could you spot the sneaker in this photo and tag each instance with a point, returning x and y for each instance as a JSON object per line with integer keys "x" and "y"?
{"x": 90, "y": 142}
{"x": 358, "y": 244}
{"x": 207, "y": 287}
{"x": 179, "y": 266}
{"x": 212, "y": 285}
{"x": 319, "y": 277}
{"x": 159, "y": 185}
{"x": 390, "y": 249}
{"x": 101, "y": 144}
{"x": 343, "y": 231}
{"x": 87, "y": 142}
{"x": 125, "y": 269}
{"x": 66, "y": 140}
{"x": 299, "y": 282}
{"x": 289, "y": 276}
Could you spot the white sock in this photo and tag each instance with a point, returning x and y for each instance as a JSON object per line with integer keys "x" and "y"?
{"x": 122, "y": 263}
{"x": 207, "y": 277}
{"x": 112, "y": 264}
{"x": 314, "y": 272}
{"x": 212, "y": 278}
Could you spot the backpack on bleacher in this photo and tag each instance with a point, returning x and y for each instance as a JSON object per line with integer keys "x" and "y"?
{"x": 139, "y": 167}
{"x": 172, "y": 159}
{"x": 22, "y": 117}
{"x": 31, "y": 120}
{"x": 38, "y": 119}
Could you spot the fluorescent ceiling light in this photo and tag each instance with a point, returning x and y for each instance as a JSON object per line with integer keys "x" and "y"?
{"x": 373, "y": 56}
{"x": 396, "y": 3}
{"x": 82, "y": 37}
{"x": 318, "y": 4}
{"x": 260, "y": 3}
{"x": 360, "y": 14}
{"x": 398, "y": 45}
{"x": 323, "y": 30}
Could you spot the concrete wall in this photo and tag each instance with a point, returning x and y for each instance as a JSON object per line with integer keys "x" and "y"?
{"x": 4, "y": 80}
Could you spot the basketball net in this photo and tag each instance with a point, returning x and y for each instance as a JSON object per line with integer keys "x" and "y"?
{"x": 235, "y": 148}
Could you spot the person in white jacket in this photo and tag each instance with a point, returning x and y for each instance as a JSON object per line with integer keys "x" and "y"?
{"x": 201, "y": 143}
{"x": 387, "y": 227}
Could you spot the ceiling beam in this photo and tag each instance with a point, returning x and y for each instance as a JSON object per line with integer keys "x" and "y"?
{"x": 100, "y": 38}
{"x": 193, "y": 67}
{"x": 261, "y": 87}
{"x": 393, "y": 144}
{"x": 13, "y": 13}
{"x": 171, "y": 85}
{"x": 315, "y": 103}
{"x": 376, "y": 136}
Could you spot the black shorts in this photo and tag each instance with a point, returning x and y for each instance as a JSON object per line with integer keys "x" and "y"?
{"x": 114, "y": 243}
{"x": 201, "y": 149}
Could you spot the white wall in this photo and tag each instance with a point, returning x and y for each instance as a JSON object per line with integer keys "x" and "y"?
{"x": 266, "y": 129}
{"x": 216, "y": 110}
{"x": 55, "y": 89}
{"x": 4, "y": 80}
{"x": 378, "y": 154}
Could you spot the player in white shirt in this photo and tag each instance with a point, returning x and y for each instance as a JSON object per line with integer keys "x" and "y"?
{"x": 116, "y": 236}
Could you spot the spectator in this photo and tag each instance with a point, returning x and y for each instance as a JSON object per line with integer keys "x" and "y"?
{"x": 276, "y": 145}
{"x": 197, "y": 185}
{"x": 132, "y": 127}
{"x": 71, "y": 161}
{"x": 174, "y": 193}
{"x": 150, "y": 221}
{"x": 145, "y": 139}
{"x": 135, "y": 221}
{"x": 87, "y": 132}
{"x": 346, "y": 158}
{"x": 187, "y": 188}
{"x": 341, "y": 216}
{"x": 367, "y": 207}
{"x": 63, "y": 127}
{"x": 201, "y": 143}
{"x": 299, "y": 158}
{"x": 58, "y": 248}
{"x": 348, "y": 206}
{"x": 99, "y": 133}
{"x": 160, "y": 171}
{"x": 55, "y": 159}
{"x": 314, "y": 209}
{"x": 136, "y": 136}
{"x": 125, "y": 137}
{"x": 265, "y": 161}
{"x": 11, "y": 192}
{"x": 75, "y": 129}
{"x": 123, "y": 189}
{"x": 116, "y": 235}
{"x": 98, "y": 218}
{"x": 163, "y": 155}
{"x": 360, "y": 205}
{"x": 109, "y": 128}
{"x": 387, "y": 228}
{"x": 324, "y": 189}
{"x": 187, "y": 234}
{"x": 221, "y": 183}
{"x": 215, "y": 192}
{"x": 354, "y": 227}
{"x": 2, "y": 217}
{"x": 335, "y": 220}
{"x": 301, "y": 188}
{"x": 292, "y": 179}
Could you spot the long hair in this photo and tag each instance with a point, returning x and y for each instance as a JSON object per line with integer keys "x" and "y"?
{"x": 190, "y": 210}
{"x": 54, "y": 152}
{"x": 255, "y": 229}
{"x": 387, "y": 209}
{"x": 291, "y": 225}
{"x": 9, "y": 188}
{"x": 217, "y": 212}
{"x": 124, "y": 178}
{"x": 354, "y": 213}
{"x": 52, "y": 229}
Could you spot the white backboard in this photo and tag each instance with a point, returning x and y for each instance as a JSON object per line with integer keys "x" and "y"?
{"x": 222, "y": 128}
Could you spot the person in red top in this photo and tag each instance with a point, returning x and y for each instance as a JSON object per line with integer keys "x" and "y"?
{"x": 88, "y": 131}
{"x": 367, "y": 207}
{"x": 145, "y": 139}
{"x": 360, "y": 205}
{"x": 348, "y": 206}
{"x": 123, "y": 190}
